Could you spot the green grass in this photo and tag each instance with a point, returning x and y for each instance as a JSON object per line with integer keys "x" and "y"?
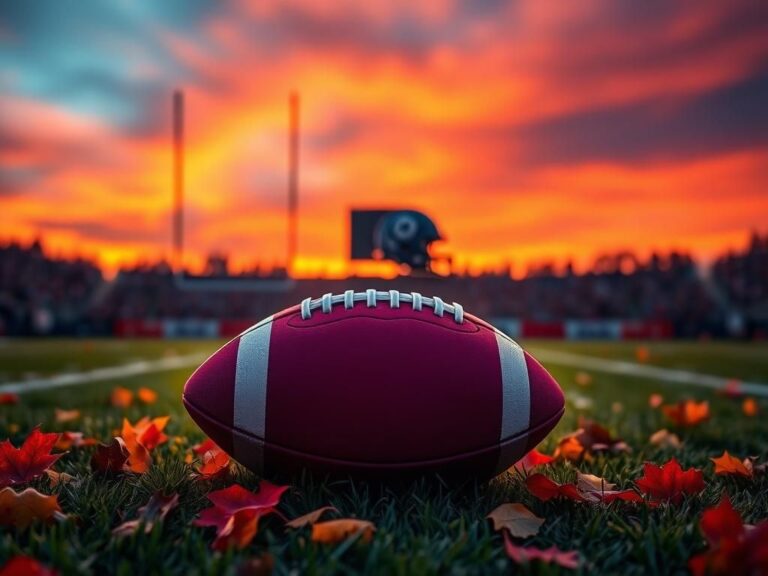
{"x": 426, "y": 527}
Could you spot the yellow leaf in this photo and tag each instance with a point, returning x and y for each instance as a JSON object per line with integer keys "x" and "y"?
{"x": 517, "y": 519}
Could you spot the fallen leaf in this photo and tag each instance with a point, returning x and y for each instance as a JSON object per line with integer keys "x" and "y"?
{"x": 140, "y": 439}
{"x": 592, "y": 483}
{"x": 334, "y": 531}
{"x": 750, "y": 407}
{"x": 569, "y": 448}
{"x": 642, "y": 354}
{"x": 7, "y": 398}
{"x": 590, "y": 438}
{"x": 655, "y": 400}
{"x": 552, "y": 555}
{"x": 19, "y": 465}
{"x": 545, "y": 489}
{"x": 728, "y": 465}
{"x": 669, "y": 483}
{"x": 146, "y": 396}
{"x": 22, "y": 508}
{"x": 596, "y": 489}
{"x": 732, "y": 389}
{"x": 617, "y": 407}
{"x": 531, "y": 460}
{"x": 151, "y": 513}
{"x": 665, "y": 439}
{"x": 310, "y": 518}
{"x": 687, "y": 412}
{"x": 583, "y": 378}
{"x": 235, "y": 513}
{"x": 121, "y": 397}
{"x": 214, "y": 463}
{"x": 732, "y": 548}
{"x": 68, "y": 440}
{"x": 517, "y": 519}
{"x": 57, "y": 478}
{"x": 62, "y": 416}
{"x": 26, "y": 566}
{"x": 110, "y": 458}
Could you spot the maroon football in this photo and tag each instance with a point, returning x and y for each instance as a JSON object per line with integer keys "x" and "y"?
{"x": 374, "y": 383}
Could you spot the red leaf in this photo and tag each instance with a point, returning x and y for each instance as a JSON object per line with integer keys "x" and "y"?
{"x": 236, "y": 511}
{"x": 732, "y": 548}
{"x": 9, "y": 398}
{"x": 687, "y": 412}
{"x": 553, "y": 555}
{"x": 18, "y": 465}
{"x": 728, "y": 465}
{"x": 668, "y": 483}
{"x": 110, "y": 458}
{"x": 26, "y": 566}
{"x": 531, "y": 460}
{"x": 545, "y": 489}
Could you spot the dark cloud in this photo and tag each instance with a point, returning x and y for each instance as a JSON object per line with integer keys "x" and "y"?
{"x": 726, "y": 119}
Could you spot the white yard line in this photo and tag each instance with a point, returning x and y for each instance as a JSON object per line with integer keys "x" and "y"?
{"x": 669, "y": 375}
{"x": 102, "y": 374}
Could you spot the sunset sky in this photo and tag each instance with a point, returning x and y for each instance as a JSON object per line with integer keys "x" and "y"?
{"x": 528, "y": 130}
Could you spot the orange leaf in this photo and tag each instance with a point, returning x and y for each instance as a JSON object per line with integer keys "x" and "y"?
{"x": 57, "y": 478}
{"x": 140, "y": 439}
{"x": 26, "y": 566}
{"x": 569, "y": 448}
{"x": 22, "y": 508}
{"x": 668, "y": 483}
{"x": 62, "y": 416}
{"x": 146, "y": 396}
{"x": 642, "y": 354}
{"x": 583, "y": 378}
{"x": 18, "y": 465}
{"x": 110, "y": 458}
{"x": 687, "y": 412}
{"x": 727, "y": 464}
{"x": 69, "y": 440}
{"x": 516, "y": 519}
{"x": 590, "y": 438}
{"x": 553, "y": 555}
{"x": 655, "y": 400}
{"x": 309, "y": 518}
{"x": 121, "y": 397}
{"x": 531, "y": 460}
{"x": 334, "y": 531}
{"x": 214, "y": 462}
{"x": 152, "y": 512}
{"x": 750, "y": 407}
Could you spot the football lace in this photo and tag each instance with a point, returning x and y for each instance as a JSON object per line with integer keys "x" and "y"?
{"x": 373, "y": 297}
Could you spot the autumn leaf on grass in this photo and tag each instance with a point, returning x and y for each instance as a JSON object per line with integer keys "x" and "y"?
{"x": 148, "y": 515}
{"x": 517, "y": 519}
{"x": 665, "y": 439}
{"x": 26, "y": 566}
{"x": 69, "y": 440}
{"x": 110, "y": 458}
{"x": 750, "y": 407}
{"x": 213, "y": 460}
{"x": 310, "y": 518}
{"x": 642, "y": 354}
{"x": 669, "y": 483}
{"x": 728, "y": 465}
{"x": 732, "y": 389}
{"x": 7, "y": 398}
{"x": 732, "y": 548}
{"x": 334, "y": 531}
{"x": 590, "y": 438}
{"x": 18, "y": 465}
{"x": 553, "y": 555}
{"x": 57, "y": 478}
{"x": 655, "y": 400}
{"x": 146, "y": 396}
{"x": 140, "y": 439}
{"x": 687, "y": 412}
{"x": 63, "y": 416}
{"x": 531, "y": 460}
{"x": 121, "y": 397}
{"x": 545, "y": 489}
{"x": 596, "y": 489}
{"x": 20, "y": 509}
{"x": 236, "y": 512}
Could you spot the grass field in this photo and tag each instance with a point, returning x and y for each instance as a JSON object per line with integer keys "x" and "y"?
{"x": 422, "y": 528}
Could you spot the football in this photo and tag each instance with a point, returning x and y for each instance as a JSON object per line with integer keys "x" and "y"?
{"x": 374, "y": 383}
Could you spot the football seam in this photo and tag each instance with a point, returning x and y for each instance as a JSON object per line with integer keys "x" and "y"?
{"x": 443, "y": 459}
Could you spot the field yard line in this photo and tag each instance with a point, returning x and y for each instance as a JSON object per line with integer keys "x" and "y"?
{"x": 101, "y": 374}
{"x": 646, "y": 371}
